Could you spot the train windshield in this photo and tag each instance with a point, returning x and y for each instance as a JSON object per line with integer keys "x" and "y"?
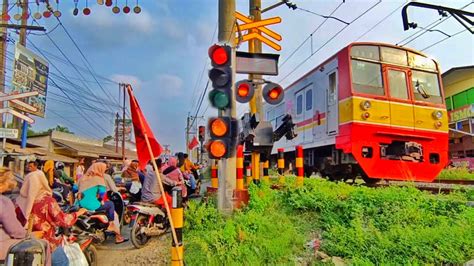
{"x": 367, "y": 62}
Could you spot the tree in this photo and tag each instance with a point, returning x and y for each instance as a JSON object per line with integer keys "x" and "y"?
{"x": 108, "y": 138}
{"x": 32, "y": 133}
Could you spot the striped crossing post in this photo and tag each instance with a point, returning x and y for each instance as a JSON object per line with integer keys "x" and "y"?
{"x": 248, "y": 174}
{"x": 214, "y": 178}
{"x": 299, "y": 166}
{"x": 240, "y": 168}
{"x": 177, "y": 215}
{"x": 266, "y": 177}
{"x": 281, "y": 165}
{"x": 241, "y": 195}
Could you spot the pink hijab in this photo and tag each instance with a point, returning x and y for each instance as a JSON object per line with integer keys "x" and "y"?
{"x": 34, "y": 188}
{"x": 176, "y": 175}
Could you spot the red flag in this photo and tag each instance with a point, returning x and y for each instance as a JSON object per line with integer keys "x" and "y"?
{"x": 193, "y": 143}
{"x": 140, "y": 128}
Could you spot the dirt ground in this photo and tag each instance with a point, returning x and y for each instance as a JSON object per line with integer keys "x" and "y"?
{"x": 156, "y": 252}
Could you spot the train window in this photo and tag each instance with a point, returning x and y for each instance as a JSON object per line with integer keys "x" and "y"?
{"x": 309, "y": 100}
{"x": 299, "y": 104}
{"x": 366, "y": 51}
{"x": 367, "y": 77}
{"x": 426, "y": 87}
{"x": 419, "y": 61}
{"x": 395, "y": 56}
{"x": 397, "y": 81}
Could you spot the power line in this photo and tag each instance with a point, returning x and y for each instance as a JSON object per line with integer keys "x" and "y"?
{"x": 311, "y": 35}
{"x": 442, "y": 40}
{"x": 330, "y": 39}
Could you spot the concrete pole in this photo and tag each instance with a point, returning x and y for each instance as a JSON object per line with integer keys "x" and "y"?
{"x": 187, "y": 133}
{"x": 255, "y": 46}
{"x": 227, "y": 180}
{"x": 3, "y": 54}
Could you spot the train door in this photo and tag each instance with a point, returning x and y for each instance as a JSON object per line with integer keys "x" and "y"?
{"x": 308, "y": 113}
{"x": 401, "y": 108}
{"x": 332, "y": 104}
{"x": 304, "y": 115}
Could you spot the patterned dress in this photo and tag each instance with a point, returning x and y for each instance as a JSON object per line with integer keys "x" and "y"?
{"x": 47, "y": 215}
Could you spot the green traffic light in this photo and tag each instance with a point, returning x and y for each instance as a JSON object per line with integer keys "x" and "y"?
{"x": 219, "y": 99}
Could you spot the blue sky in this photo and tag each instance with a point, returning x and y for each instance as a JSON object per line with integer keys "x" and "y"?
{"x": 163, "y": 51}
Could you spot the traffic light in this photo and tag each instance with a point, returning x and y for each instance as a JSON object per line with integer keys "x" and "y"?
{"x": 202, "y": 133}
{"x": 223, "y": 137}
{"x": 273, "y": 93}
{"x": 244, "y": 91}
{"x": 221, "y": 76}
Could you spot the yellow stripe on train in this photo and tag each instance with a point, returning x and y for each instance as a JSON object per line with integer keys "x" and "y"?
{"x": 403, "y": 115}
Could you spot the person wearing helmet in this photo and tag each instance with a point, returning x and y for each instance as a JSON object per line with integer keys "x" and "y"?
{"x": 61, "y": 174}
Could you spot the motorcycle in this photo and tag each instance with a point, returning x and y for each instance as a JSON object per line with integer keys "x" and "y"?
{"x": 148, "y": 220}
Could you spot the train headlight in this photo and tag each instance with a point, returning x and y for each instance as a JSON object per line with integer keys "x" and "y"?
{"x": 438, "y": 124}
{"x": 365, "y": 105}
{"x": 437, "y": 115}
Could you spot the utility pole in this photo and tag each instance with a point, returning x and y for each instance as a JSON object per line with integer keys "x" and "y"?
{"x": 188, "y": 121}
{"x": 227, "y": 167}
{"x": 3, "y": 53}
{"x": 255, "y": 46}
{"x": 116, "y": 131}
{"x": 123, "y": 121}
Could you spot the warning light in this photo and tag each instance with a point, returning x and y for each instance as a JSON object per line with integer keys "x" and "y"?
{"x": 217, "y": 149}
{"x": 223, "y": 137}
{"x": 273, "y": 93}
{"x": 244, "y": 91}
{"x": 202, "y": 133}
{"x": 218, "y": 127}
{"x": 219, "y": 54}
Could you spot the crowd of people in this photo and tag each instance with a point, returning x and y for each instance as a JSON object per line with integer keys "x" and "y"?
{"x": 36, "y": 212}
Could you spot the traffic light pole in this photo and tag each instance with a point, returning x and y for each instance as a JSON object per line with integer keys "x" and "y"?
{"x": 255, "y": 46}
{"x": 227, "y": 180}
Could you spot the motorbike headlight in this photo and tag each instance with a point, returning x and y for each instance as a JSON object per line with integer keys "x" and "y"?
{"x": 365, "y": 105}
{"x": 437, "y": 115}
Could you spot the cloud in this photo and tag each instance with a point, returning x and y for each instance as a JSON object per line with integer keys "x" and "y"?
{"x": 170, "y": 86}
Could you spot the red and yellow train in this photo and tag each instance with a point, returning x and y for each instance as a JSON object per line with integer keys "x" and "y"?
{"x": 374, "y": 110}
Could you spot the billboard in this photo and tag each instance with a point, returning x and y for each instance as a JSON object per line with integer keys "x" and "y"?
{"x": 30, "y": 73}
{"x": 119, "y": 129}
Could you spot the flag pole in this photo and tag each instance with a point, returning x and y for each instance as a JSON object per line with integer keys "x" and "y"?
{"x": 162, "y": 190}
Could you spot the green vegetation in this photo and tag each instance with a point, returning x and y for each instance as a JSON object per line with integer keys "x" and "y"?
{"x": 456, "y": 173}
{"x": 365, "y": 226}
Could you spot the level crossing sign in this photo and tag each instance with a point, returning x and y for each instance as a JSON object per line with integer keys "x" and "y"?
{"x": 256, "y": 28}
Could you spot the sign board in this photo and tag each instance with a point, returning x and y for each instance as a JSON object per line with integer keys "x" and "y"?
{"x": 257, "y": 63}
{"x": 128, "y": 129}
{"x": 30, "y": 73}
{"x": 462, "y": 113}
{"x": 9, "y": 133}
{"x": 256, "y": 28}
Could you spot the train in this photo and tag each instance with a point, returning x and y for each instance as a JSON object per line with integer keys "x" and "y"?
{"x": 372, "y": 110}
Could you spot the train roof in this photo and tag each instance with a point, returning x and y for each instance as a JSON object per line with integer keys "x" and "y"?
{"x": 348, "y": 46}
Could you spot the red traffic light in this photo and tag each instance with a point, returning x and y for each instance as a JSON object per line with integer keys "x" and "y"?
{"x": 273, "y": 93}
{"x": 244, "y": 91}
{"x": 220, "y": 55}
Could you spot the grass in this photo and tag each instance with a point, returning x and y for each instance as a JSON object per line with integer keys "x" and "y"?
{"x": 365, "y": 226}
{"x": 456, "y": 173}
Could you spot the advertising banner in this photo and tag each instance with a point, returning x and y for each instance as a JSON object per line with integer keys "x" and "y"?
{"x": 30, "y": 74}
{"x": 128, "y": 129}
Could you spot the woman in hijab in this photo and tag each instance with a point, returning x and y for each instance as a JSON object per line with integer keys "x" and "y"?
{"x": 131, "y": 172}
{"x": 92, "y": 189}
{"x": 173, "y": 173}
{"x": 42, "y": 212}
{"x": 49, "y": 170}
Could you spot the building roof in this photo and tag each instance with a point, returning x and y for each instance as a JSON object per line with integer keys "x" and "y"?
{"x": 38, "y": 152}
{"x": 455, "y": 69}
{"x": 86, "y": 150}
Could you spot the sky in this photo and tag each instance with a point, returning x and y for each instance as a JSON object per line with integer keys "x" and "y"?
{"x": 162, "y": 53}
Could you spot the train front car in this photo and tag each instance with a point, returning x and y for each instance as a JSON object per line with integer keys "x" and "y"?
{"x": 392, "y": 116}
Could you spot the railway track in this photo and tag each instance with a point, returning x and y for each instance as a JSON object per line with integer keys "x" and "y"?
{"x": 437, "y": 186}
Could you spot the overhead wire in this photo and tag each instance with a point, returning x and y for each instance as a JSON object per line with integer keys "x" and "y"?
{"x": 329, "y": 40}
{"x": 442, "y": 40}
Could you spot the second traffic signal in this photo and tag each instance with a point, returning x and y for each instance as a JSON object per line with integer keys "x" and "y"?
{"x": 223, "y": 137}
{"x": 221, "y": 76}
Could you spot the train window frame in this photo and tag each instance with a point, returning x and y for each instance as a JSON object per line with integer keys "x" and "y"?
{"x": 299, "y": 105}
{"x": 417, "y": 97}
{"x": 408, "y": 97}
{"x": 355, "y": 89}
{"x": 309, "y": 99}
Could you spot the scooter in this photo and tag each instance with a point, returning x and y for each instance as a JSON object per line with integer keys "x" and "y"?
{"x": 148, "y": 220}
